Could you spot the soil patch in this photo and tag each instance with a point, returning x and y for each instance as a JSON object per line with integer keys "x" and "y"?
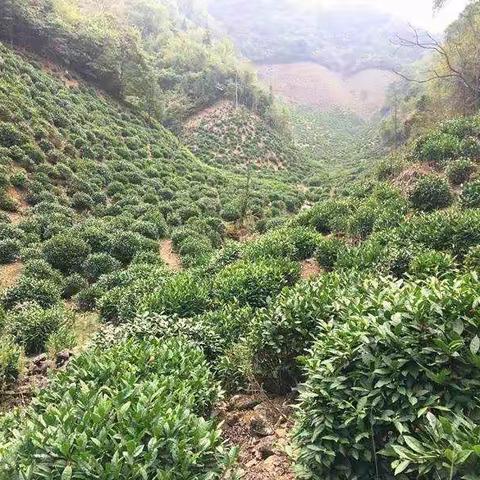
{"x": 171, "y": 259}
{"x": 259, "y": 426}
{"x": 309, "y": 269}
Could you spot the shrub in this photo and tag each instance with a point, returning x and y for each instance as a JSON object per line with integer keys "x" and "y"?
{"x": 98, "y": 264}
{"x": 470, "y": 197}
{"x": 184, "y": 294}
{"x": 431, "y": 263}
{"x": 460, "y": 171}
{"x": 31, "y": 325}
{"x": 10, "y": 136}
{"x": 328, "y": 251}
{"x": 431, "y": 193}
{"x": 87, "y": 298}
{"x": 10, "y": 360}
{"x": 44, "y": 292}
{"x": 81, "y": 201}
{"x": 472, "y": 258}
{"x": 329, "y": 216}
{"x": 40, "y": 269}
{"x": 126, "y": 245}
{"x": 66, "y": 252}
{"x": 368, "y": 376}
{"x": 9, "y": 250}
{"x": 156, "y": 390}
{"x": 60, "y": 340}
{"x": 73, "y": 284}
{"x": 438, "y": 147}
{"x": 254, "y": 283}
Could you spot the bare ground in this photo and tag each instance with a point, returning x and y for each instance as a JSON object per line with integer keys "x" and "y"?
{"x": 171, "y": 259}
{"x": 259, "y": 426}
{"x": 9, "y": 274}
{"x": 309, "y": 269}
{"x": 308, "y": 83}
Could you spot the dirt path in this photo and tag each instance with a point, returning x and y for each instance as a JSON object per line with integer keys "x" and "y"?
{"x": 9, "y": 274}
{"x": 309, "y": 269}
{"x": 171, "y": 259}
{"x": 259, "y": 426}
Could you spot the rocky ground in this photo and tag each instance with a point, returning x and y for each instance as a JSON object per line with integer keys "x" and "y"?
{"x": 259, "y": 425}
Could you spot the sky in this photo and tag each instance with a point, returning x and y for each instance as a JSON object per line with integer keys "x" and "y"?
{"x": 417, "y": 12}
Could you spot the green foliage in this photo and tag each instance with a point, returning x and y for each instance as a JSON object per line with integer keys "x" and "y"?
{"x": 460, "y": 171}
{"x": 72, "y": 285}
{"x": 44, "y": 292}
{"x": 431, "y": 193}
{"x": 430, "y": 263}
{"x": 438, "y": 147}
{"x": 470, "y": 197}
{"x": 254, "y": 283}
{"x": 31, "y": 325}
{"x": 62, "y": 339}
{"x": 98, "y": 264}
{"x": 445, "y": 448}
{"x": 472, "y": 258}
{"x": 10, "y": 360}
{"x": 159, "y": 390}
{"x": 375, "y": 372}
{"x": 328, "y": 251}
{"x": 9, "y": 250}
{"x": 66, "y": 252}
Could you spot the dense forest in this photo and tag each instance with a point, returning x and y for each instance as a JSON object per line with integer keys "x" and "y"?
{"x": 200, "y": 280}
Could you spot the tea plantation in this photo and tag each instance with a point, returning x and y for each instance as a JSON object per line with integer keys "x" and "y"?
{"x": 379, "y": 350}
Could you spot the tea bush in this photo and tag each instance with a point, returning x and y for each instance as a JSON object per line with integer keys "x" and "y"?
{"x": 98, "y": 264}
{"x": 431, "y": 193}
{"x": 254, "y": 283}
{"x": 470, "y": 197}
{"x": 10, "y": 360}
{"x": 404, "y": 350}
{"x": 9, "y": 250}
{"x": 31, "y": 325}
{"x": 432, "y": 264}
{"x": 44, "y": 292}
{"x": 142, "y": 410}
{"x": 66, "y": 252}
{"x": 460, "y": 171}
{"x": 328, "y": 251}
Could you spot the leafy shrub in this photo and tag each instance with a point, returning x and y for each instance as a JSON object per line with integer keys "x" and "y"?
{"x": 431, "y": 263}
{"x": 329, "y": 216}
{"x": 254, "y": 283}
{"x": 98, "y": 264}
{"x": 44, "y": 292}
{"x": 438, "y": 147}
{"x": 126, "y": 245}
{"x": 10, "y": 360}
{"x": 81, "y": 201}
{"x": 9, "y": 250}
{"x": 431, "y": 193}
{"x": 379, "y": 367}
{"x": 62, "y": 339}
{"x": 328, "y": 251}
{"x": 42, "y": 270}
{"x": 159, "y": 390}
{"x": 470, "y": 197}
{"x": 73, "y": 284}
{"x": 184, "y": 294}
{"x": 472, "y": 258}
{"x": 31, "y": 325}
{"x": 66, "y": 252}
{"x": 460, "y": 171}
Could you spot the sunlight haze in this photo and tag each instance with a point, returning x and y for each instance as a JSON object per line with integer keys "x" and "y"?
{"x": 417, "y": 12}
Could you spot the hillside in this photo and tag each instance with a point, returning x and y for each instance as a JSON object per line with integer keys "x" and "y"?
{"x": 259, "y": 297}
{"x": 225, "y": 135}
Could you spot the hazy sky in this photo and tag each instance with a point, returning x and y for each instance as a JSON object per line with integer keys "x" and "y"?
{"x": 417, "y": 12}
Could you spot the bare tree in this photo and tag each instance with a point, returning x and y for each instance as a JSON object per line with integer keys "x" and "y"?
{"x": 457, "y": 57}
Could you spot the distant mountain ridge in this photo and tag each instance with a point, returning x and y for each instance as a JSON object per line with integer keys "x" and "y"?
{"x": 343, "y": 39}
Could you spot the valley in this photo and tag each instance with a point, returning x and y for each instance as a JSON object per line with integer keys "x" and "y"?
{"x": 234, "y": 245}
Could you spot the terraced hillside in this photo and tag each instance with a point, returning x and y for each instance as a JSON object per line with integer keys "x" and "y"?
{"x": 228, "y": 136}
